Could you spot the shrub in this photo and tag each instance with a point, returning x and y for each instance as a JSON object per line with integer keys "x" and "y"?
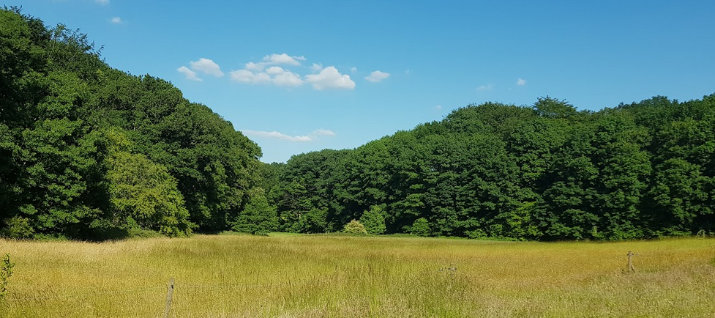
{"x": 374, "y": 220}
{"x": 5, "y": 273}
{"x": 420, "y": 227}
{"x": 355, "y": 227}
{"x": 18, "y": 228}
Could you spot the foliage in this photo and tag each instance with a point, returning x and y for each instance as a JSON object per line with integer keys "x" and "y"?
{"x": 90, "y": 152}
{"x": 5, "y": 273}
{"x": 420, "y": 227}
{"x": 258, "y": 216}
{"x": 374, "y": 220}
{"x": 546, "y": 172}
{"x": 143, "y": 194}
{"x": 354, "y": 227}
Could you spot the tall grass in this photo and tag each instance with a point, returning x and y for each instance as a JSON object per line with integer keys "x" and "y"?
{"x": 343, "y": 276}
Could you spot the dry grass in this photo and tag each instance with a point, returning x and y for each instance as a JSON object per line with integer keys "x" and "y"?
{"x": 340, "y": 276}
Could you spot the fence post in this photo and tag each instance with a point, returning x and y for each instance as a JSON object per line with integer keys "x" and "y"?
{"x": 169, "y": 295}
{"x": 630, "y": 262}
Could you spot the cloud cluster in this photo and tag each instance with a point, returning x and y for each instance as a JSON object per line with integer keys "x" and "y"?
{"x": 281, "y": 70}
{"x": 254, "y": 73}
{"x": 272, "y": 69}
{"x": 202, "y": 65}
{"x": 281, "y": 136}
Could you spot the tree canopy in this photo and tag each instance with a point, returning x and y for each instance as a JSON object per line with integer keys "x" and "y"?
{"x": 87, "y": 151}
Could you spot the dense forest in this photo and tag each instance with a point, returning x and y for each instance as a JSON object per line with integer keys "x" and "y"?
{"x": 545, "y": 172}
{"x": 90, "y": 152}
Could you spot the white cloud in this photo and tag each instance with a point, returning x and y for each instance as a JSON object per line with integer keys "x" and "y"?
{"x": 278, "y": 135}
{"x": 190, "y": 75}
{"x": 353, "y": 69}
{"x": 116, "y": 20}
{"x": 267, "y": 71}
{"x": 328, "y": 78}
{"x": 273, "y": 75}
{"x": 487, "y": 87}
{"x": 254, "y": 66}
{"x": 276, "y": 59}
{"x": 248, "y": 77}
{"x": 283, "y": 77}
{"x": 520, "y": 82}
{"x": 377, "y": 76}
{"x": 102, "y": 2}
{"x": 324, "y": 132}
{"x": 206, "y": 66}
{"x": 316, "y": 67}
{"x": 275, "y": 69}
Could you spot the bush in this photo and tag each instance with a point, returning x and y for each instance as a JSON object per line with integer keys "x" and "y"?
{"x": 355, "y": 227}
{"x": 5, "y": 273}
{"x": 374, "y": 220}
{"x": 18, "y": 228}
{"x": 420, "y": 227}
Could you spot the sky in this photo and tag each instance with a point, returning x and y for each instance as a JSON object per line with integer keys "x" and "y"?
{"x": 300, "y": 76}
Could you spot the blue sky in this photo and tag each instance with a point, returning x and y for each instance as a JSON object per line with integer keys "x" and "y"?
{"x": 298, "y": 76}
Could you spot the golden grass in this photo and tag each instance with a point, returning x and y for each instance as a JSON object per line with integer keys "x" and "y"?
{"x": 342, "y": 276}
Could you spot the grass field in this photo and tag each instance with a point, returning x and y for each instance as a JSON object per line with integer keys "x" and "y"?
{"x": 343, "y": 276}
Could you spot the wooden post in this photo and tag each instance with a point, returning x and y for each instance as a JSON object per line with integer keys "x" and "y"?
{"x": 630, "y": 262}
{"x": 169, "y": 295}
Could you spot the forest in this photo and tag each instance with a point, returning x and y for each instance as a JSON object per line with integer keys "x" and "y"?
{"x": 90, "y": 152}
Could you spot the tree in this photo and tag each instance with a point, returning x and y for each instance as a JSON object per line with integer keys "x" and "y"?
{"x": 143, "y": 194}
{"x": 258, "y": 216}
{"x": 373, "y": 220}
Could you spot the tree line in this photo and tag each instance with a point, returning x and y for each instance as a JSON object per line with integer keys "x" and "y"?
{"x": 91, "y": 152}
{"x": 540, "y": 172}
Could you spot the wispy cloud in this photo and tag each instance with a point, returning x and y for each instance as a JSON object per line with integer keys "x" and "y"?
{"x": 520, "y": 82}
{"x": 281, "y": 136}
{"x": 116, "y": 20}
{"x": 190, "y": 75}
{"x": 486, "y": 87}
{"x": 285, "y": 70}
{"x": 330, "y": 78}
{"x": 274, "y": 59}
{"x": 276, "y": 135}
{"x": 324, "y": 132}
{"x": 377, "y": 76}
{"x": 102, "y": 2}
{"x": 206, "y": 66}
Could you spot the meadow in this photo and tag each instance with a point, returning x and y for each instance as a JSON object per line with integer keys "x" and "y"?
{"x": 347, "y": 276}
